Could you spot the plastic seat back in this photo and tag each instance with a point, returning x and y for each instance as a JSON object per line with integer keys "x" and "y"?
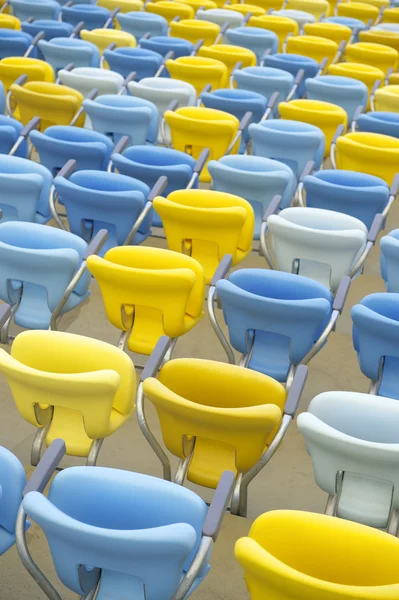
{"x": 164, "y": 44}
{"x": 37, "y": 264}
{"x": 209, "y": 224}
{"x": 387, "y": 98}
{"x": 359, "y": 10}
{"x": 332, "y": 31}
{"x": 93, "y": 17}
{"x": 230, "y": 55}
{"x": 52, "y": 29}
{"x": 317, "y": 8}
{"x": 220, "y": 16}
{"x": 60, "y": 52}
{"x": 256, "y": 39}
{"x": 10, "y": 130}
{"x": 15, "y": 43}
{"x": 300, "y": 16}
{"x": 292, "y": 142}
{"x": 194, "y": 30}
{"x": 379, "y": 36}
{"x": 35, "y": 70}
{"x": 102, "y": 38}
{"x": 156, "y": 291}
{"x": 377, "y": 55}
{"x": 265, "y": 81}
{"x": 42, "y": 9}
{"x": 12, "y": 483}
{"x": 365, "y": 73}
{"x": 314, "y": 47}
{"x": 171, "y": 10}
{"x": 355, "y": 25}
{"x": 326, "y": 244}
{"x": 389, "y": 245}
{"x": 344, "y": 91}
{"x": 8, "y": 21}
{"x": 293, "y": 63}
{"x": 349, "y": 192}
{"x": 280, "y": 25}
{"x": 285, "y": 314}
{"x": 231, "y": 411}
{"x": 386, "y": 123}
{"x": 199, "y": 72}
{"x": 159, "y": 530}
{"x": 145, "y": 63}
{"x": 139, "y": 23}
{"x": 85, "y": 79}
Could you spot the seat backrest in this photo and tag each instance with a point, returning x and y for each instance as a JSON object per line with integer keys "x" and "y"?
{"x": 36, "y": 70}
{"x": 229, "y": 55}
{"x": 293, "y": 63}
{"x": 211, "y": 224}
{"x": 85, "y": 79}
{"x": 254, "y": 38}
{"x": 386, "y": 123}
{"x": 161, "y": 91}
{"x": 387, "y": 98}
{"x": 102, "y": 38}
{"x": 347, "y": 92}
{"x": 265, "y": 81}
{"x": 12, "y": 483}
{"x": 42, "y": 9}
{"x": 195, "y": 30}
{"x": 59, "y": 52}
{"x": 313, "y": 46}
{"x": 93, "y": 16}
{"x": 145, "y": 63}
{"x": 15, "y": 43}
{"x": 199, "y": 71}
{"x": 171, "y": 10}
{"x": 139, "y": 23}
{"x": 325, "y": 243}
{"x": 150, "y": 289}
{"x": 378, "y": 55}
{"x": 220, "y": 16}
{"x": 143, "y": 547}
{"x": 50, "y": 28}
{"x": 10, "y": 130}
{"x": 280, "y": 25}
{"x": 164, "y": 44}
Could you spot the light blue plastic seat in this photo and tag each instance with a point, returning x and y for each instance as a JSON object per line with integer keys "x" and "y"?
{"x": 349, "y": 22}
{"x": 24, "y": 190}
{"x": 116, "y": 116}
{"x": 145, "y": 63}
{"x": 10, "y": 130}
{"x": 164, "y": 44}
{"x": 293, "y": 63}
{"x": 386, "y": 123}
{"x": 12, "y": 483}
{"x": 15, "y": 43}
{"x": 39, "y": 9}
{"x": 254, "y": 178}
{"x": 36, "y": 265}
{"x": 284, "y": 313}
{"x": 99, "y": 200}
{"x": 52, "y": 29}
{"x": 256, "y": 39}
{"x": 237, "y": 103}
{"x": 357, "y": 194}
{"x": 344, "y": 91}
{"x": 141, "y": 531}
{"x": 265, "y": 81}
{"x": 376, "y": 340}
{"x": 149, "y": 163}
{"x": 59, "y": 52}
{"x": 139, "y": 23}
{"x": 389, "y": 245}
{"x": 93, "y": 16}
{"x": 387, "y": 27}
{"x": 291, "y": 142}
{"x": 60, "y": 143}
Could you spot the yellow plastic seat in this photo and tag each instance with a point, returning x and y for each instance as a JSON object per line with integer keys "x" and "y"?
{"x": 196, "y": 4}
{"x": 378, "y": 3}
{"x": 170, "y": 10}
{"x": 208, "y": 225}
{"x": 194, "y": 128}
{"x": 282, "y": 26}
{"x": 230, "y": 412}
{"x": 331, "y": 31}
{"x": 317, "y": 8}
{"x": 375, "y": 55}
{"x": 124, "y": 5}
{"x": 199, "y": 71}
{"x": 194, "y": 30}
{"x": 358, "y": 10}
{"x": 102, "y": 38}
{"x": 325, "y": 115}
{"x": 14, "y": 66}
{"x": 295, "y": 555}
{"x": 379, "y": 36}
{"x": 229, "y": 55}
{"x": 268, "y": 4}
{"x": 391, "y": 15}
{"x": 54, "y": 104}
{"x": 244, "y": 9}
{"x": 387, "y": 99}
{"x": 85, "y": 388}
{"x": 313, "y": 47}
{"x": 9, "y": 22}
{"x": 394, "y": 79}
{"x": 371, "y": 153}
{"x": 365, "y": 73}
{"x": 149, "y": 292}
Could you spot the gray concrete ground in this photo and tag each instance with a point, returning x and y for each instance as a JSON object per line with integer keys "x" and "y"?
{"x": 287, "y": 482}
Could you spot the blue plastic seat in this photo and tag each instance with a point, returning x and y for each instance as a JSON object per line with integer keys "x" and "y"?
{"x": 237, "y": 103}
{"x": 344, "y": 91}
{"x": 354, "y": 24}
{"x": 265, "y": 81}
{"x": 10, "y": 129}
{"x": 256, "y": 39}
{"x": 389, "y": 245}
{"x": 24, "y": 190}
{"x": 117, "y": 116}
{"x": 376, "y": 340}
{"x": 59, "y": 52}
{"x": 254, "y": 178}
{"x": 141, "y": 531}
{"x": 98, "y": 200}
{"x": 283, "y": 313}
{"x": 36, "y": 265}
{"x": 39, "y": 9}
{"x": 139, "y": 23}
{"x": 356, "y": 194}
{"x": 93, "y": 16}
{"x": 15, "y": 43}
{"x": 145, "y": 63}
{"x": 293, "y": 63}
{"x": 12, "y": 483}
{"x": 386, "y": 123}
{"x": 60, "y": 143}
{"x": 52, "y": 29}
{"x": 148, "y": 163}
{"x": 291, "y": 142}
{"x": 164, "y": 44}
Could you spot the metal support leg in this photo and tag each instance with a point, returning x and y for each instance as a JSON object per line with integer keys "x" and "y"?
{"x": 37, "y": 445}
{"x": 331, "y": 505}
{"x": 182, "y": 470}
{"x": 94, "y": 452}
{"x": 393, "y": 523}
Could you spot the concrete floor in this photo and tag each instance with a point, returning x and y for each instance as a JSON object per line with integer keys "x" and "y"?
{"x": 287, "y": 482}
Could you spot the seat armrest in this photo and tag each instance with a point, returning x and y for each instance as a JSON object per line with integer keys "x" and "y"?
{"x": 154, "y": 362}
{"x": 222, "y": 269}
{"x": 341, "y": 293}
{"x": 46, "y": 467}
{"x": 218, "y": 506}
{"x": 295, "y": 391}
{"x": 96, "y": 243}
